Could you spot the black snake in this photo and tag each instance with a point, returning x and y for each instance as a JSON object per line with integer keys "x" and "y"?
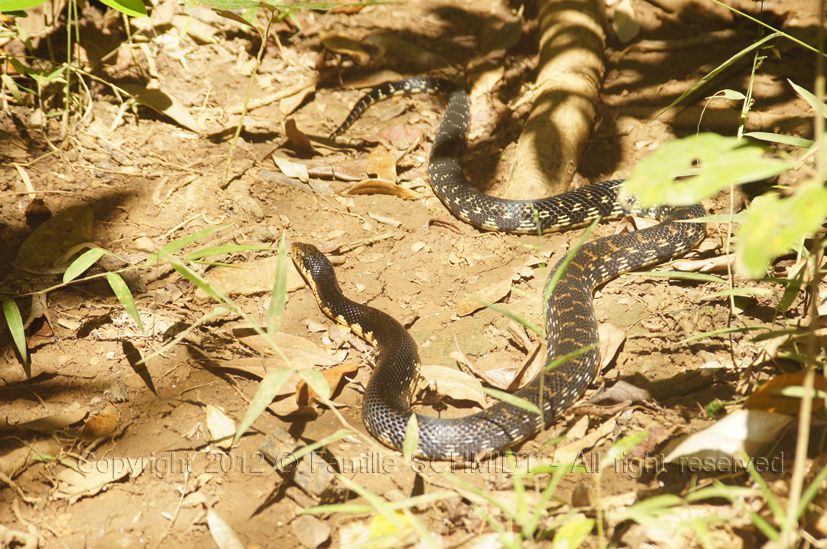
{"x": 570, "y": 319}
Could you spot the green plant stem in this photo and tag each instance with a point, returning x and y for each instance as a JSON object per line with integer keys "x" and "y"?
{"x": 790, "y": 526}
{"x": 272, "y": 17}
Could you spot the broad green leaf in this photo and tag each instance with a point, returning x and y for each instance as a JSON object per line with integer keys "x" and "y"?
{"x": 19, "y": 5}
{"x": 724, "y": 161}
{"x": 572, "y": 534}
{"x": 278, "y": 297}
{"x": 775, "y": 225}
{"x": 121, "y": 291}
{"x": 15, "y": 323}
{"x": 793, "y": 140}
{"x": 411, "y": 442}
{"x": 134, "y": 8}
{"x": 83, "y": 262}
{"x": 508, "y": 398}
{"x": 266, "y": 391}
{"x": 807, "y": 96}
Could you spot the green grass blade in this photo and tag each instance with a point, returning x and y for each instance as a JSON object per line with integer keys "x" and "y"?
{"x": 721, "y": 331}
{"x": 619, "y": 449}
{"x": 343, "y": 508}
{"x": 411, "y": 442}
{"x": 572, "y": 534}
{"x": 381, "y": 506}
{"x": 681, "y": 275}
{"x": 15, "y": 323}
{"x": 215, "y": 313}
{"x": 508, "y": 398}
{"x": 812, "y": 490}
{"x": 569, "y": 356}
{"x": 304, "y": 450}
{"x": 814, "y": 102}
{"x": 179, "y": 243}
{"x": 223, "y": 249}
{"x": 513, "y": 316}
{"x": 278, "y": 297}
{"x": 554, "y": 279}
{"x": 133, "y": 8}
{"x": 121, "y": 291}
{"x": 316, "y": 381}
{"x": 717, "y": 70}
{"x": 739, "y": 292}
{"x": 267, "y": 390}
{"x": 779, "y": 138}
{"x": 83, "y": 262}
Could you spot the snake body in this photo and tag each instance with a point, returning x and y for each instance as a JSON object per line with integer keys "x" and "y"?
{"x": 570, "y": 319}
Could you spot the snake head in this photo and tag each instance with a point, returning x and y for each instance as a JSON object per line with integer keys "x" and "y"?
{"x": 314, "y": 267}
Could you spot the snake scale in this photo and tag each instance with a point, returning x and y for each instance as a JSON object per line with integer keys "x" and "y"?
{"x": 570, "y": 319}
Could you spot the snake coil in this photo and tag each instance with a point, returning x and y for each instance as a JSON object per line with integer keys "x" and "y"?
{"x": 570, "y": 319}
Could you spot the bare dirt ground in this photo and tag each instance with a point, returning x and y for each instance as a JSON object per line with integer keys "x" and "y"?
{"x": 149, "y": 179}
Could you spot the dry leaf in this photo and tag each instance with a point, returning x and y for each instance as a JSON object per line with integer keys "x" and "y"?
{"x": 310, "y": 531}
{"x": 621, "y": 391}
{"x": 292, "y": 169}
{"x": 299, "y": 350}
{"x": 346, "y": 46}
{"x": 398, "y": 51}
{"x": 222, "y": 533}
{"x": 453, "y": 383}
{"x": 162, "y": 102}
{"x": 489, "y": 294}
{"x": 297, "y": 138}
{"x": 373, "y": 79}
{"x": 611, "y": 338}
{"x": 624, "y": 22}
{"x": 55, "y": 422}
{"x": 719, "y": 446}
{"x": 305, "y": 395}
{"x": 294, "y": 101}
{"x": 15, "y": 461}
{"x": 571, "y": 453}
{"x": 380, "y": 186}
{"x": 768, "y": 396}
{"x": 384, "y": 219}
{"x": 50, "y": 241}
{"x": 712, "y": 264}
{"x": 199, "y": 31}
{"x": 382, "y": 164}
{"x": 220, "y": 425}
{"x": 88, "y": 478}
{"x": 252, "y": 277}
